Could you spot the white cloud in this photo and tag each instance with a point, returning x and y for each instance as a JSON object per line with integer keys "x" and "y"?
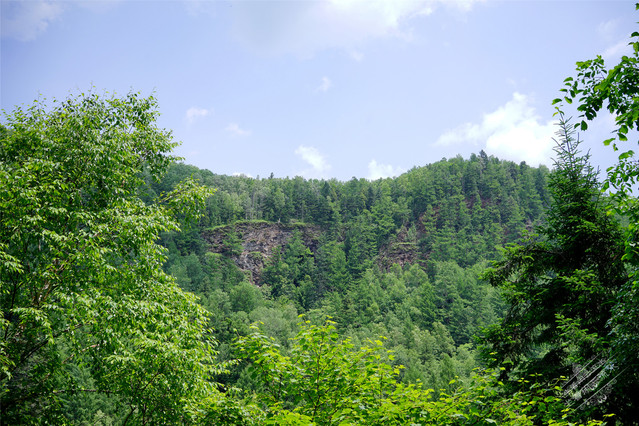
{"x": 194, "y": 113}
{"x": 324, "y": 85}
{"x": 357, "y": 56}
{"x": 315, "y": 159}
{"x": 607, "y": 29}
{"x": 303, "y": 27}
{"x": 513, "y": 131}
{"x": 613, "y": 53}
{"x": 241, "y": 174}
{"x": 236, "y": 130}
{"x": 25, "y": 20}
{"x": 376, "y": 171}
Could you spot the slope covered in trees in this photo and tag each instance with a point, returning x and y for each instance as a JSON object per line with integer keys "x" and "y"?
{"x": 96, "y": 330}
{"x": 98, "y": 271}
{"x": 399, "y": 258}
{"x": 442, "y": 221}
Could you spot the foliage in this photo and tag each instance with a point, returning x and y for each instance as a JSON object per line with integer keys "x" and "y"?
{"x": 328, "y": 381}
{"x": 81, "y": 279}
{"x": 458, "y": 209}
{"x": 616, "y": 89}
{"x": 322, "y": 377}
{"x": 395, "y": 257}
{"x": 596, "y": 88}
{"x": 561, "y": 284}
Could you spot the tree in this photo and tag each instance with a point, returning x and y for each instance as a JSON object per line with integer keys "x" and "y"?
{"x": 326, "y": 380}
{"x": 81, "y": 279}
{"x": 596, "y": 88}
{"x": 561, "y": 284}
{"x": 360, "y": 245}
{"x": 331, "y": 272}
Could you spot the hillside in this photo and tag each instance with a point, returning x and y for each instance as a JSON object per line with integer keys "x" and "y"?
{"x": 459, "y": 210}
{"x": 292, "y": 288}
{"x": 397, "y": 257}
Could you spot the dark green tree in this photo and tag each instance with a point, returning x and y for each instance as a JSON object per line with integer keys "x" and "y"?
{"x": 596, "y": 88}
{"x": 276, "y": 274}
{"x": 332, "y": 273}
{"x": 561, "y": 284}
{"x": 360, "y": 244}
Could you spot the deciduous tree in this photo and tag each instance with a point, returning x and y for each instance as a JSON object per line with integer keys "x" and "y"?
{"x": 81, "y": 279}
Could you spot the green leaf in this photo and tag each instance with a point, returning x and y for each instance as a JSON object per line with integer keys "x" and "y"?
{"x": 626, "y": 154}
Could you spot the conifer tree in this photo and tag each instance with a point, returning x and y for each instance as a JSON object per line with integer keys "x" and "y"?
{"x": 561, "y": 284}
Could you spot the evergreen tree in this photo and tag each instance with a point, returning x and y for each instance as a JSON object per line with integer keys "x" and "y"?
{"x": 593, "y": 89}
{"x": 561, "y": 285}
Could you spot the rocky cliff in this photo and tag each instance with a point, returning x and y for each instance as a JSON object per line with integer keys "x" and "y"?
{"x": 257, "y": 240}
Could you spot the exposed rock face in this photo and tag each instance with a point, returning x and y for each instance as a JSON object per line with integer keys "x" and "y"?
{"x": 397, "y": 253}
{"x": 401, "y": 249}
{"x": 258, "y": 239}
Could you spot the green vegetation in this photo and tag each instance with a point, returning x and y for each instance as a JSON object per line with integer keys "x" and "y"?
{"x": 561, "y": 286}
{"x": 468, "y": 291}
{"x": 594, "y": 88}
{"x": 88, "y": 315}
{"x": 329, "y": 381}
{"x": 405, "y": 266}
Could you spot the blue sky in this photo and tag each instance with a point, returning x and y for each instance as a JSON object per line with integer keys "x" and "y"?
{"x": 323, "y": 88}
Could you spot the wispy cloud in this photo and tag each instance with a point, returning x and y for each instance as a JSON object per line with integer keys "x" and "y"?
{"x": 616, "y": 51}
{"x": 324, "y": 85}
{"x": 26, "y": 20}
{"x": 607, "y": 29}
{"x": 513, "y": 131}
{"x": 616, "y": 40}
{"x": 235, "y": 130}
{"x": 357, "y": 56}
{"x": 377, "y": 171}
{"x": 300, "y": 27}
{"x": 317, "y": 161}
{"x": 195, "y": 113}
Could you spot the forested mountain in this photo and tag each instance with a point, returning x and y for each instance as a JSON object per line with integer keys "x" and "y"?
{"x": 311, "y": 302}
{"x": 399, "y": 258}
{"x": 238, "y": 318}
{"x": 454, "y": 209}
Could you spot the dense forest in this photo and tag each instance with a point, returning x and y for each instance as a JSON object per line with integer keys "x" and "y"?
{"x": 435, "y": 225}
{"x": 137, "y": 289}
{"x": 399, "y": 258}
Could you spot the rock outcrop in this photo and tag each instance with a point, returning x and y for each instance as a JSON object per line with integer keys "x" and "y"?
{"x": 257, "y": 240}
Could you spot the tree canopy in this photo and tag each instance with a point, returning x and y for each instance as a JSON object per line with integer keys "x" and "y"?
{"x": 594, "y": 89}
{"x": 81, "y": 279}
{"x": 562, "y": 284}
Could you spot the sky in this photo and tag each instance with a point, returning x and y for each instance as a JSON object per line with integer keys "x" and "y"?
{"x": 323, "y": 88}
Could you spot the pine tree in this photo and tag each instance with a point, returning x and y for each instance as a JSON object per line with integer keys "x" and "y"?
{"x": 561, "y": 284}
